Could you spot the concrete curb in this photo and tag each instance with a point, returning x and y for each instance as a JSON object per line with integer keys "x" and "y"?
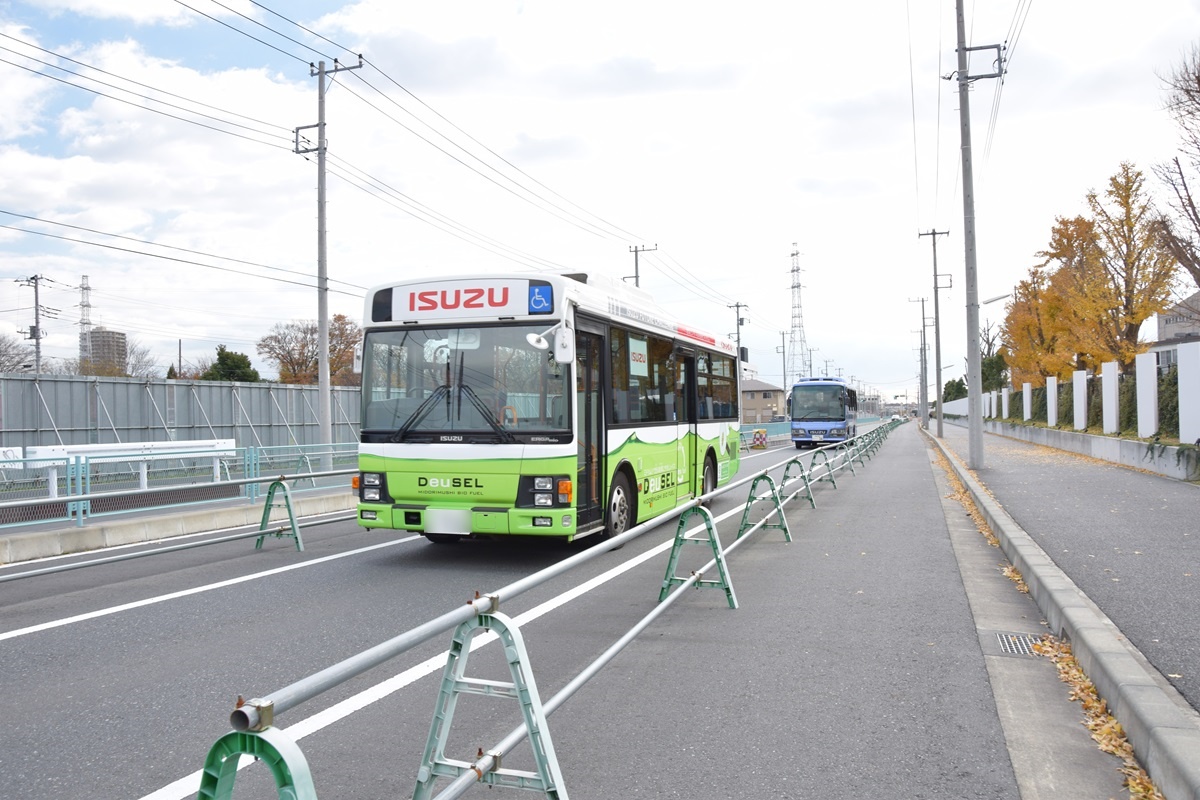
{"x": 113, "y": 531}
{"x": 1163, "y": 729}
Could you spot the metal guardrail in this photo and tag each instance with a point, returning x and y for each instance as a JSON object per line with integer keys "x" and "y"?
{"x": 253, "y": 721}
{"x": 64, "y": 489}
{"x": 95, "y": 562}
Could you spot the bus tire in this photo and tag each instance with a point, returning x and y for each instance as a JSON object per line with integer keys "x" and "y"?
{"x": 621, "y": 509}
{"x": 799, "y": 445}
{"x": 708, "y": 479}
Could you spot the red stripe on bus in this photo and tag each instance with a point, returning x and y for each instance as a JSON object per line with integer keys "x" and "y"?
{"x": 691, "y": 334}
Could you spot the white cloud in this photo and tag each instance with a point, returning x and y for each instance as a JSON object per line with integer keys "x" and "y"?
{"x": 722, "y": 133}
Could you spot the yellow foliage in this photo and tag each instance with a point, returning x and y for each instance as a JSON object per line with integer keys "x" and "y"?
{"x": 1100, "y": 278}
{"x": 1106, "y": 731}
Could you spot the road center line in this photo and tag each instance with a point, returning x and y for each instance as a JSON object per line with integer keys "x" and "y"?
{"x": 149, "y": 601}
{"x": 187, "y": 786}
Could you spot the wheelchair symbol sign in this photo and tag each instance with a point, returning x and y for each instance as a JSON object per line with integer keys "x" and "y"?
{"x": 541, "y": 300}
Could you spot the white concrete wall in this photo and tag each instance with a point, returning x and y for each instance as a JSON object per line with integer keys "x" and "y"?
{"x": 1189, "y": 392}
{"x": 1051, "y": 401}
{"x": 1145, "y": 367}
{"x": 1108, "y": 396}
{"x": 1079, "y": 394}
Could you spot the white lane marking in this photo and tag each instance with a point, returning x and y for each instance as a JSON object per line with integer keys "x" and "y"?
{"x": 149, "y": 601}
{"x": 183, "y": 537}
{"x": 187, "y": 786}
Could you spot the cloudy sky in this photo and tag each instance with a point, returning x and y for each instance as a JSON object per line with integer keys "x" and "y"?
{"x": 148, "y": 144}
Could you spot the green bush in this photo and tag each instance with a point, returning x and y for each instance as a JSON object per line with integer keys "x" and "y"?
{"x": 1066, "y": 404}
{"x": 1015, "y": 407}
{"x": 1127, "y": 404}
{"x": 1095, "y": 404}
{"x": 1168, "y": 403}
{"x": 1037, "y": 405}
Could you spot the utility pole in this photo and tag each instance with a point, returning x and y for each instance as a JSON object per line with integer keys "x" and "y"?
{"x": 738, "y": 334}
{"x": 937, "y": 329}
{"x": 922, "y": 392}
{"x": 35, "y": 332}
{"x": 783, "y": 349}
{"x": 974, "y": 373}
{"x": 637, "y": 280}
{"x": 324, "y": 405}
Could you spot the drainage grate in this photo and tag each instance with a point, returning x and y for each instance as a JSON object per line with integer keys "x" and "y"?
{"x": 1018, "y": 643}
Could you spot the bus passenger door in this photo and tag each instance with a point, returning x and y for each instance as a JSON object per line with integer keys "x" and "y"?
{"x": 588, "y": 405}
{"x": 687, "y": 442}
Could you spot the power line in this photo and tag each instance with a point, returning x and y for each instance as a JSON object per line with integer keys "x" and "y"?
{"x": 154, "y": 244}
{"x": 130, "y": 80}
{"x": 568, "y": 218}
{"x": 624, "y": 233}
{"x": 243, "y": 33}
{"x": 144, "y": 108}
{"x": 423, "y": 213}
{"x": 912, "y": 97}
{"x": 165, "y": 258}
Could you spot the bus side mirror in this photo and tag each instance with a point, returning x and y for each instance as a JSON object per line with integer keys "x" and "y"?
{"x": 564, "y": 345}
{"x": 358, "y": 359}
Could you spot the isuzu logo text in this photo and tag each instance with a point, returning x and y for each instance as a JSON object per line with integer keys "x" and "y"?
{"x": 475, "y": 297}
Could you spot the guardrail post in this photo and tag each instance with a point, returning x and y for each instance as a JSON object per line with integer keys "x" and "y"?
{"x": 270, "y": 503}
{"x": 273, "y": 747}
{"x": 305, "y": 465}
{"x": 253, "y": 470}
{"x": 774, "y": 496}
{"x": 671, "y": 579}
{"x": 548, "y": 778}
{"x": 787, "y": 471}
{"x": 812, "y": 467}
{"x": 76, "y": 472}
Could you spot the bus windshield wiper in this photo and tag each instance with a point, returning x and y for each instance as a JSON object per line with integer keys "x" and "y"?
{"x": 421, "y": 413}
{"x": 483, "y": 410}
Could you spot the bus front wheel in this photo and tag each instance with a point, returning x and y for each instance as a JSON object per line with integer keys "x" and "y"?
{"x": 620, "y": 507}
{"x": 709, "y": 480}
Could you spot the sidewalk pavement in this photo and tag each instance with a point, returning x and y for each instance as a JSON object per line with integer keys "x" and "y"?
{"x": 1095, "y": 543}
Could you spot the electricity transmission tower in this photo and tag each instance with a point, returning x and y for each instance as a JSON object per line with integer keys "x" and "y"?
{"x": 797, "y": 346}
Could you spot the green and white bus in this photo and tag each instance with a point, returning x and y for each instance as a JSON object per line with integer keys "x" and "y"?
{"x": 559, "y": 405}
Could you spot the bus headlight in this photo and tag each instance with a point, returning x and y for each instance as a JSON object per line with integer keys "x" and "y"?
{"x": 545, "y": 491}
{"x": 372, "y": 487}
{"x": 838, "y": 432}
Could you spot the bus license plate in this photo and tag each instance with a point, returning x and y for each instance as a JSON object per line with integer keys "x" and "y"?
{"x": 818, "y": 437}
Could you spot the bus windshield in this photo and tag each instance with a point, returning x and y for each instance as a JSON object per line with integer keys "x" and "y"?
{"x": 818, "y": 403}
{"x": 486, "y": 381}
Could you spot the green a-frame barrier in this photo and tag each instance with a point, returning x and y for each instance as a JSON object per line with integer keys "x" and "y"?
{"x": 274, "y": 748}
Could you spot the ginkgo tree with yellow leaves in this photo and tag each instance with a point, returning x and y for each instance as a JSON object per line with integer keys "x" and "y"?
{"x": 1101, "y": 277}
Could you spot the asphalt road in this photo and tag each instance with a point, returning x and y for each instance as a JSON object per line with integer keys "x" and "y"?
{"x": 861, "y": 662}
